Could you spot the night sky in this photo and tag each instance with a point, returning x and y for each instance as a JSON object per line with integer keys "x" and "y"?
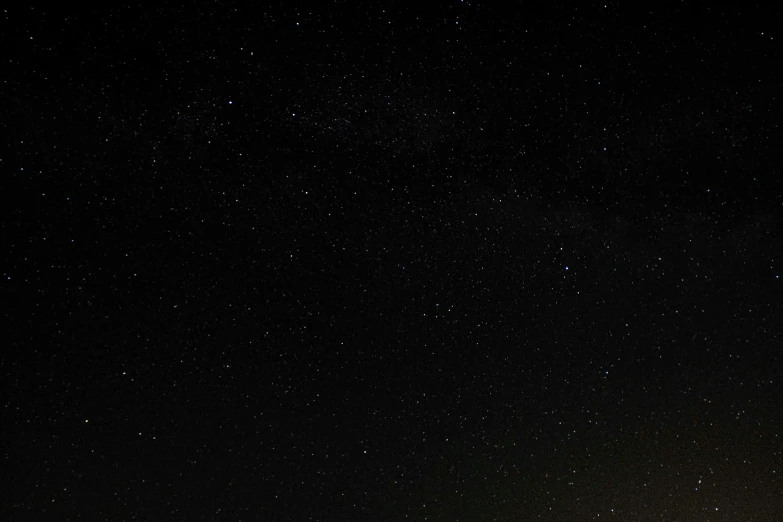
{"x": 391, "y": 261}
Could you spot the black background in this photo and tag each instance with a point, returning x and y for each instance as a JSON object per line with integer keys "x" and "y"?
{"x": 389, "y": 261}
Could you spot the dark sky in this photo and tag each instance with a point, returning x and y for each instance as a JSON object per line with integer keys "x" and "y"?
{"x": 392, "y": 261}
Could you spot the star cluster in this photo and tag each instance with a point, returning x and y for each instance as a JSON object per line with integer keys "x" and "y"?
{"x": 392, "y": 262}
